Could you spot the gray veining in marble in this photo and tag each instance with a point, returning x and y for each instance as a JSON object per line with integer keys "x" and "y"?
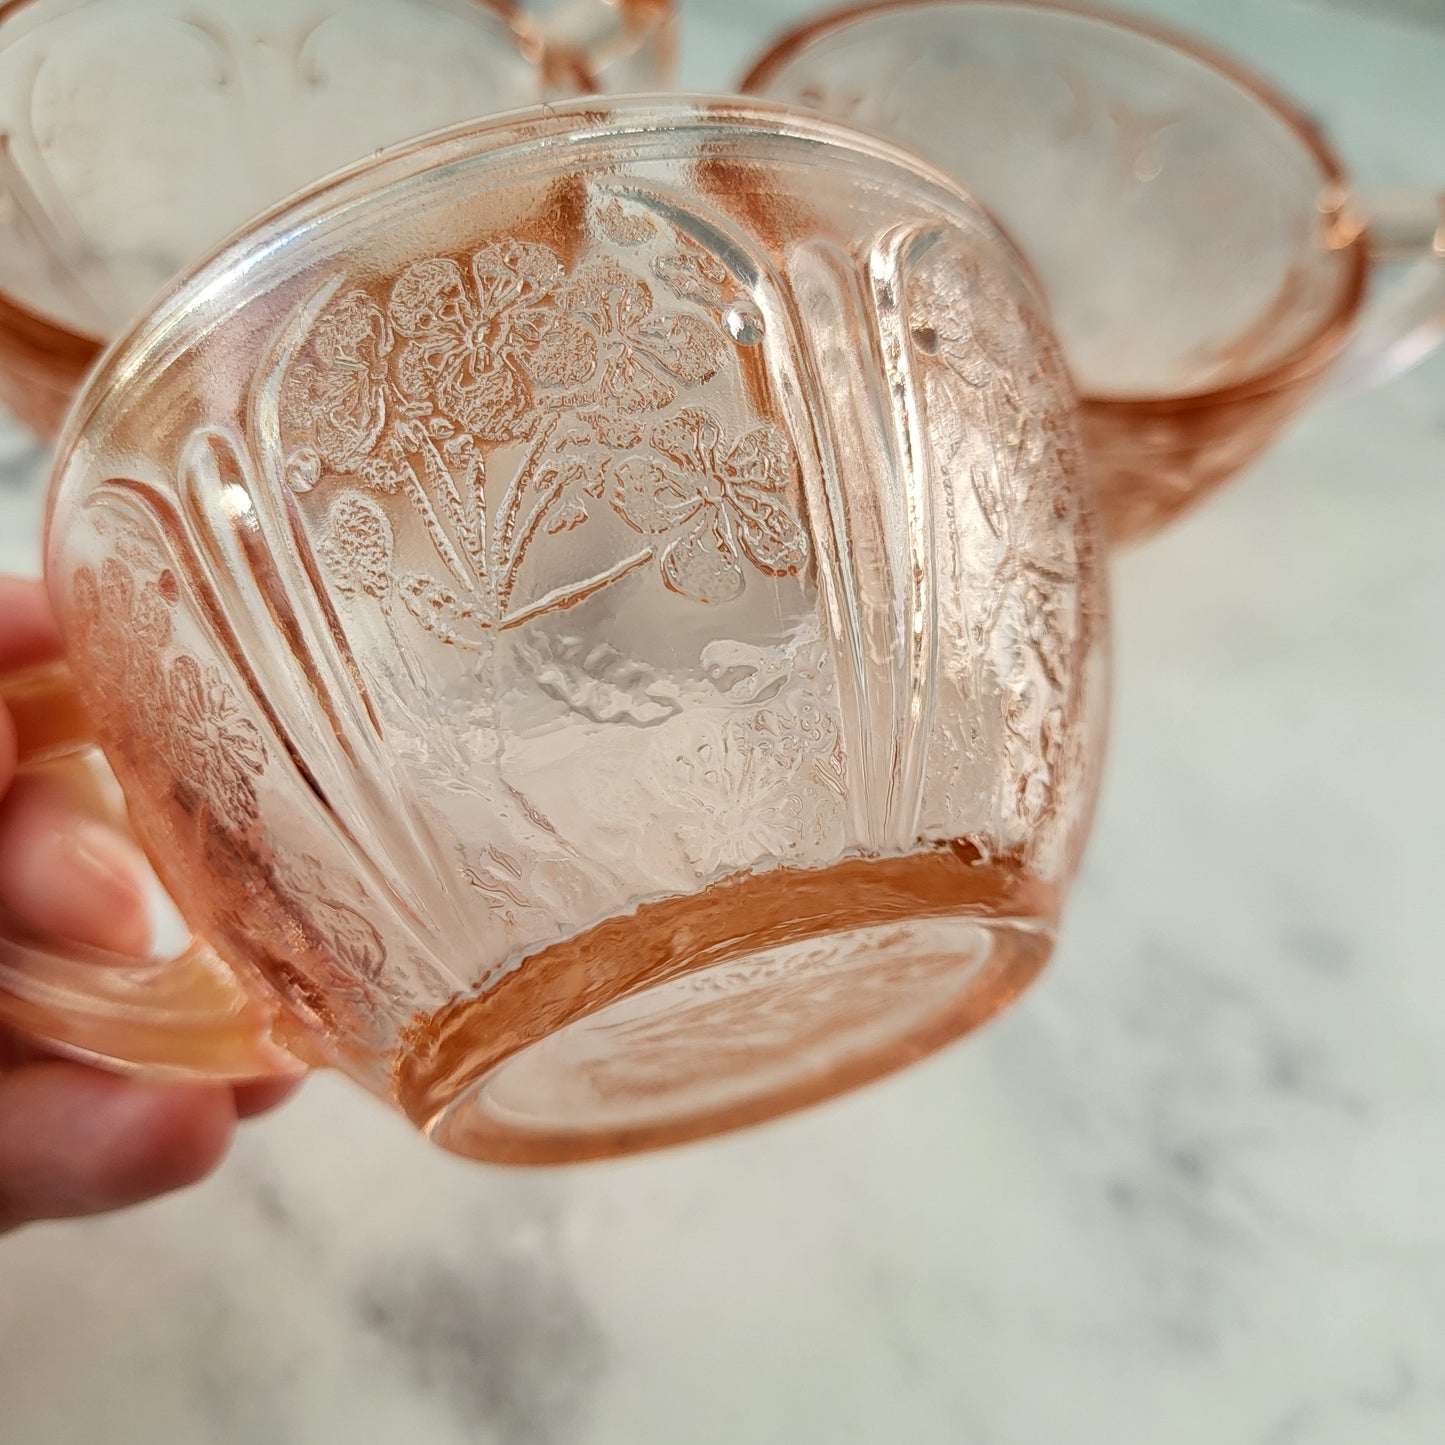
{"x": 1188, "y": 1191}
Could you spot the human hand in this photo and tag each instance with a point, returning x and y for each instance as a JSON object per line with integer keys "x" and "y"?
{"x": 73, "y": 1139}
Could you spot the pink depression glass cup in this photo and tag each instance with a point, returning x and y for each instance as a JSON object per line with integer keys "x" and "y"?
{"x": 135, "y": 135}
{"x": 597, "y": 627}
{"x": 1205, "y": 258}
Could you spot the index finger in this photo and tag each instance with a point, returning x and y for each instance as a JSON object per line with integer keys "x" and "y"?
{"x": 28, "y": 630}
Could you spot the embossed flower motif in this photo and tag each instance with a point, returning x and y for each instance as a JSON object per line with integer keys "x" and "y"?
{"x": 350, "y": 939}
{"x": 213, "y": 745}
{"x": 968, "y": 320}
{"x": 714, "y": 505}
{"x": 808, "y": 730}
{"x": 474, "y": 346}
{"x": 320, "y": 952}
{"x": 336, "y": 392}
{"x": 736, "y": 804}
{"x": 342, "y": 932}
{"x": 138, "y": 615}
{"x": 125, "y": 625}
{"x": 640, "y": 356}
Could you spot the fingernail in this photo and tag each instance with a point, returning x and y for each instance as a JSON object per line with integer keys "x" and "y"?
{"x": 112, "y": 870}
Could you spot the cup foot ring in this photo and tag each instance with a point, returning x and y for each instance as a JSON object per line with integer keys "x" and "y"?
{"x": 742, "y": 1041}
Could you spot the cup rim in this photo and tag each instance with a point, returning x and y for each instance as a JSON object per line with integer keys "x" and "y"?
{"x": 1315, "y": 350}
{"x": 363, "y": 181}
{"x": 40, "y": 333}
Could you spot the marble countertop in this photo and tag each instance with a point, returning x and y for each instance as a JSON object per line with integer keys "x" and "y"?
{"x": 1188, "y": 1191}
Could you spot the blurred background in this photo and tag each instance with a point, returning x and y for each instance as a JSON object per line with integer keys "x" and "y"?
{"x": 1187, "y": 1191}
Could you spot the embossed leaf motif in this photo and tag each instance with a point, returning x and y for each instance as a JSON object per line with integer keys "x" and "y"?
{"x": 147, "y": 614}
{"x": 699, "y": 561}
{"x": 693, "y": 274}
{"x": 438, "y": 609}
{"x": 714, "y": 504}
{"x": 330, "y": 905}
{"x": 358, "y": 547}
{"x": 611, "y": 429}
{"x": 625, "y": 227}
{"x": 498, "y": 879}
{"x": 754, "y": 474}
{"x": 212, "y": 744}
{"x": 1048, "y": 620}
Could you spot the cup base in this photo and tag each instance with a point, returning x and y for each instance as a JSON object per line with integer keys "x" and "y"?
{"x": 782, "y": 1013}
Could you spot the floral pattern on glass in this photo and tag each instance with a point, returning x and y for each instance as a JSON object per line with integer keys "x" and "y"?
{"x": 767, "y": 782}
{"x": 714, "y": 503}
{"x": 996, "y": 391}
{"x": 303, "y": 922}
{"x": 201, "y": 734}
{"x": 499, "y": 400}
{"x": 211, "y": 743}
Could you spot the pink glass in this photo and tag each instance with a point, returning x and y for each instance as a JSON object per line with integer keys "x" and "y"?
{"x": 1205, "y": 257}
{"x": 598, "y": 627}
{"x": 135, "y": 135}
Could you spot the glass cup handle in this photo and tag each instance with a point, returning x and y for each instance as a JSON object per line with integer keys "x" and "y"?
{"x": 586, "y": 46}
{"x": 185, "y": 1018}
{"x": 1404, "y": 317}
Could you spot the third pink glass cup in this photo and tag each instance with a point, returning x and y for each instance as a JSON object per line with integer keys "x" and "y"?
{"x": 1206, "y": 258}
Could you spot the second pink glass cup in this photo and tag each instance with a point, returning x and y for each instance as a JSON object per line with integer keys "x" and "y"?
{"x": 1206, "y": 258}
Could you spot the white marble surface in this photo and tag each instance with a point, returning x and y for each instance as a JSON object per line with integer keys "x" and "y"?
{"x": 1187, "y": 1192}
